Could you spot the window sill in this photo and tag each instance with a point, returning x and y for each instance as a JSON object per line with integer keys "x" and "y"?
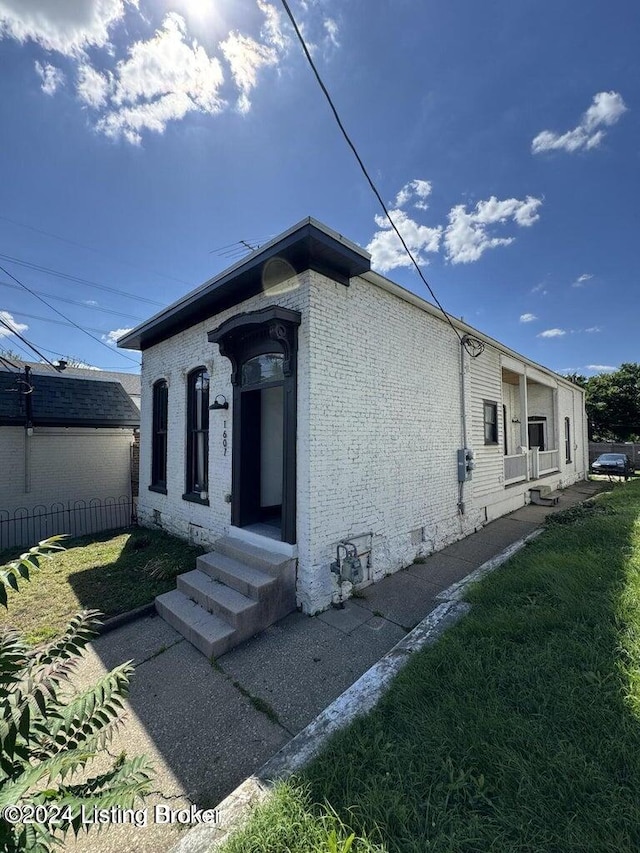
{"x": 195, "y": 498}
{"x": 161, "y": 490}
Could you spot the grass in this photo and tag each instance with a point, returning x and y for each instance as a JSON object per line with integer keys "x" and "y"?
{"x": 112, "y": 572}
{"x": 518, "y": 731}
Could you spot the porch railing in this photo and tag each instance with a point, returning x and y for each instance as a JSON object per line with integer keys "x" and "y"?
{"x": 548, "y": 461}
{"x": 515, "y": 468}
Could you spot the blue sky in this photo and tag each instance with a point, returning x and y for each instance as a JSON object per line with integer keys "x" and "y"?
{"x": 139, "y": 137}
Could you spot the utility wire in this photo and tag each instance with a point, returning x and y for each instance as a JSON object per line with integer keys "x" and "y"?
{"x": 68, "y": 277}
{"x": 57, "y": 322}
{"x": 77, "y": 302}
{"x": 366, "y": 173}
{"x": 69, "y": 358}
{"x": 9, "y": 363}
{"x": 24, "y": 340}
{"x": 64, "y": 316}
{"x": 90, "y": 249}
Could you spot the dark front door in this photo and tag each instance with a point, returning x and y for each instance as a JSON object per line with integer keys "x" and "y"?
{"x": 260, "y": 462}
{"x": 536, "y": 434}
{"x": 262, "y": 347}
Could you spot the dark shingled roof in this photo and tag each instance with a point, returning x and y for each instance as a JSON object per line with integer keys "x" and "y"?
{"x": 57, "y": 401}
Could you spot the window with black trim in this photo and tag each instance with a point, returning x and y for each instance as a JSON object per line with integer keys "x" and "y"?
{"x": 490, "y": 422}
{"x": 159, "y": 436}
{"x": 567, "y": 440}
{"x": 197, "y": 434}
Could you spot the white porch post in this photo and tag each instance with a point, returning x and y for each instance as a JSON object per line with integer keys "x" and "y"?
{"x": 524, "y": 414}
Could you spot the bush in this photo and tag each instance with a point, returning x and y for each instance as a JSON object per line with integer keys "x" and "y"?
{"x": 49, "y": 732}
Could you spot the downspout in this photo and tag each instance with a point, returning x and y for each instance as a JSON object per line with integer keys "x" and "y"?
{"x": 463, "y": 419}
{"x": 28, "y": 428}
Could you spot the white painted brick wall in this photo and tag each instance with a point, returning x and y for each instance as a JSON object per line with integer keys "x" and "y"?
{"x": 383, "y": 432}
{"x": 173, "y": 360}
{"x": 379, "y": 424}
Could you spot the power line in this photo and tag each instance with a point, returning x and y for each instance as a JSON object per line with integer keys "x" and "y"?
{"x": 77, "y": 302}
{"x": 90, "y": 249}
{"x": 8, "y": 362}
{"x": 366, "y": 173}
{"x": 64, "y": 316}
{"x": 57, "y": 322}
{"x": 69, "y": 358}
{"x": 68, "y": 277}
{"x": 31, "y": 346}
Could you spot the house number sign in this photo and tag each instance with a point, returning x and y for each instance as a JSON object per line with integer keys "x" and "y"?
{"x": 224, "y": 438}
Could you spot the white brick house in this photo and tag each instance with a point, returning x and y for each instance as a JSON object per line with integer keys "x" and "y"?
{"x": 348, "y": 401}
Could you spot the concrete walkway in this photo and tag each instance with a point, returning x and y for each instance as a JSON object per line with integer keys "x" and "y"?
{"x": 207, "y": 727}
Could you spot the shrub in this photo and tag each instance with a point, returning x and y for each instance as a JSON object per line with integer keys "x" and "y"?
{"x": 50, "y": 732}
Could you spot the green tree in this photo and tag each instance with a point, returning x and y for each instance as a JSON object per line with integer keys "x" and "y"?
{"x": 613, "y": 404}
{"x": 49, "y": 732}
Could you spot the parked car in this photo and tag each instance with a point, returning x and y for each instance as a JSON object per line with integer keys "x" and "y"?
{"x": 618, "y": 464}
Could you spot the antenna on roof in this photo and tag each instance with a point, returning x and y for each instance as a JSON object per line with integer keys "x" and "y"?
{"x": 239, "y": 248}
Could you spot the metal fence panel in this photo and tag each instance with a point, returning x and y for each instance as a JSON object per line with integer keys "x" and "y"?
{"x": 26, "y": 526}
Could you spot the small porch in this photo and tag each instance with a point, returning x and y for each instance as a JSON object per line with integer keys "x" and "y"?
{"x": 530, "y": 432}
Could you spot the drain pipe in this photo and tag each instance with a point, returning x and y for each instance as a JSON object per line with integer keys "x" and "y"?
{"x": 463, "y": 418}
{"x": 28, "y": 427}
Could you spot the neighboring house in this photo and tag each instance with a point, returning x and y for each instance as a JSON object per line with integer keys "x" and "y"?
{"x": 129, "y": 381}
{"x": 349, "y": 401}
{"x": 65, "y": 455}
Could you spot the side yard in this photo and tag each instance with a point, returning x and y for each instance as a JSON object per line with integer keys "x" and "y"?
{"x": 112, "y": 572}
{"x": 518, "y": 731}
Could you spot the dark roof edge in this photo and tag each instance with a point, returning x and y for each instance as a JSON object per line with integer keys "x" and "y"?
{"x": 353, "y": 255}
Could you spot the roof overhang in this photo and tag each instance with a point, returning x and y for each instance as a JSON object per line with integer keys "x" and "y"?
{"x": 307, "y": 245}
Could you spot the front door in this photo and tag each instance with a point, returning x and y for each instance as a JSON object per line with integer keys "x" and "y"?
{"x": 536, "y": 433}
{"x": 259, "y": 411}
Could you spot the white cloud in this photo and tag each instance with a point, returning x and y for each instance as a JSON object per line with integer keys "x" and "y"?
{"x": 52, "y": 77}
{"x": 552, "y": 333}
{"x": 527, "y": 318}
{"x": 601, "y": 368}
{"x": 159, "y": 79}
{"x": 245, "y": 57}
{"x": 605, "y": 110}
{"x": 112, "y": 336}
{"x": 92, "y": 87}
{"x": 67, "y": 27}
{"x": 163, "y": 79}
{"x": 7, "y": 318}
{"x": 582, "y": 280}
{"x": 417, "y": 190}
{"x": 331, "y": 28}
{"x": 593, "y": 329}
{"x": 466, "y": 238}
{"x": 272, "y": 31}
{"x": 386, "y": 249}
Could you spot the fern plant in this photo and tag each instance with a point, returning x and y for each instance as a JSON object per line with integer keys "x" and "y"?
{"x": 49, "y": 732}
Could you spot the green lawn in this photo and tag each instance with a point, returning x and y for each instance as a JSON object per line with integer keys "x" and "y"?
{"x": 112, "y": 572}
{"x": 518, "y": 731}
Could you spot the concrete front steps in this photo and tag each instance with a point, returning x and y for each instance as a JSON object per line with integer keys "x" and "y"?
{"x": 543, "y": 496}
{"x": 235, "y": 591}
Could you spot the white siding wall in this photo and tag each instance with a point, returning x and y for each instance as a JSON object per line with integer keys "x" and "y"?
{"x": 485, "y": 375}
{"x": 173, "y": 360}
